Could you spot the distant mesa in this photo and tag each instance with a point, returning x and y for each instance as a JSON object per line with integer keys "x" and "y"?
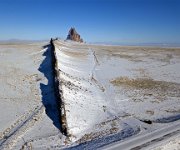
{"x": 74, "y": 36}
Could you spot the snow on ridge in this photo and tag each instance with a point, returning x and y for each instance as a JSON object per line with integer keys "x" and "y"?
{"x": 83, "y": 96}
{"x": 91, "y": 98}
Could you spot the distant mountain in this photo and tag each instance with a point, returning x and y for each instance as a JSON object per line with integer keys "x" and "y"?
{"x": 138, "y": 44}
{"x": 11, "y": 41}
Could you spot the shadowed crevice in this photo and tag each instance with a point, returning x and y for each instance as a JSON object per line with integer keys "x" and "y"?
{"x": 162, "y": 120}
{"x": 58, "y": 91}
{"x": 49, "y": 99}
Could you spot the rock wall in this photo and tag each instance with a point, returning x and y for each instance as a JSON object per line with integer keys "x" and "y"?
{"x": 58, "y": 92}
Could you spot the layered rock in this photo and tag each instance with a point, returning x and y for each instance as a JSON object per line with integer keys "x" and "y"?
{"x": 74, "y": 36}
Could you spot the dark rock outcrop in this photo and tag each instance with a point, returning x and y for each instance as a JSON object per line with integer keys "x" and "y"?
{"x": 74, "y": 36}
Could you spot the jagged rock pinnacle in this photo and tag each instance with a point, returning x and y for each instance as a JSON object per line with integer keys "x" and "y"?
{"x": 74, "y": 36}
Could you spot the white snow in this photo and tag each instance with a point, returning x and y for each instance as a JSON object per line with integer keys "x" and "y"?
{"x": 172, "y": 144}
{"x": 25, "y": 78}
{"x": 99, "y": 105}
{"x": 86, "y": 72}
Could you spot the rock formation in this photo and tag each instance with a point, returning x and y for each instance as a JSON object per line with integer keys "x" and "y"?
{"x": 74, "y": 36}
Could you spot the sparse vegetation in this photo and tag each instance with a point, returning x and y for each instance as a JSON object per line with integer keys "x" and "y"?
{"x": 142, "y": 83}
{"x": 144, "y": 89}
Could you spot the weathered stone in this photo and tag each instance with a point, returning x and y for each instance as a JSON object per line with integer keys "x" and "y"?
{"x": 74, "y": 36}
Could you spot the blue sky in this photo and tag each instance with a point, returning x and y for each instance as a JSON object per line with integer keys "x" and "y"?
{"x": 119, "y": 21}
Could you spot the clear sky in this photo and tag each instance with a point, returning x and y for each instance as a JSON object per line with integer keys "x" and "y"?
{"x": 129, "y": 21}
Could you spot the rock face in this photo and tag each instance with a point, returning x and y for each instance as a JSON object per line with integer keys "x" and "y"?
{"x": 74, "y": 36}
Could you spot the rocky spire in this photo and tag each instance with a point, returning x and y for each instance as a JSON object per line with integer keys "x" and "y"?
{"x": 74, "y": 36}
